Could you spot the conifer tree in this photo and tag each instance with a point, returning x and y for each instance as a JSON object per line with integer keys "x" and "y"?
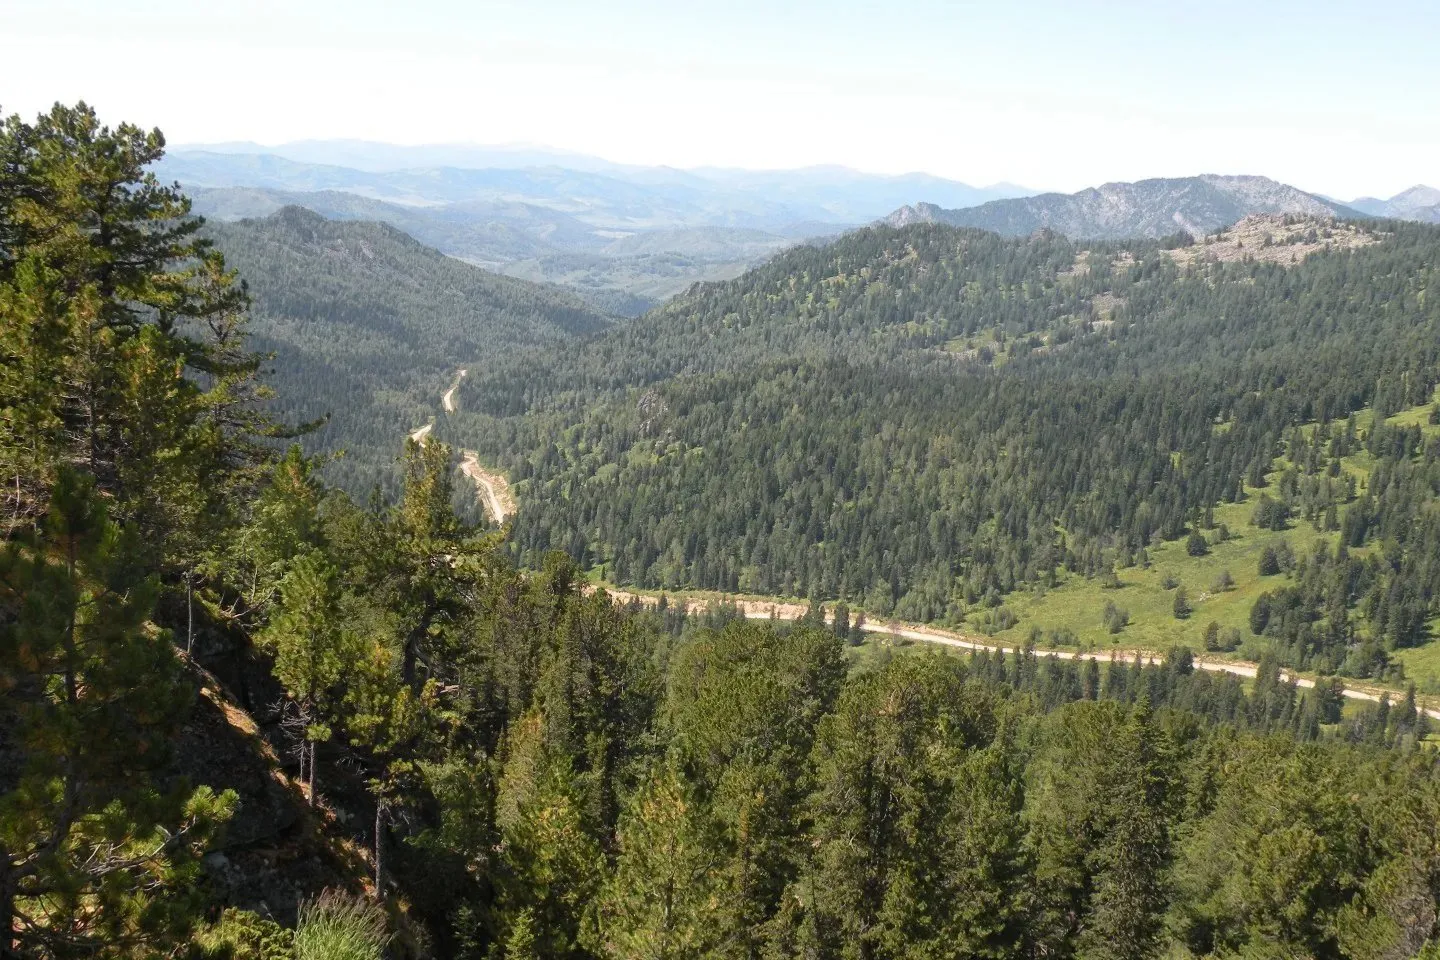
{"x": 985, "y": 879}
{"x": 313, "y": 650}
{"x": 667, "y": 899}
{"x": 134, "y": 365}
{"x": 1129, "y": 864}
{"x": 97, "y": 852}
{"x": 425, "y": 538}
{"x": 550, "y": 865}
{"x": 283, "y": 524}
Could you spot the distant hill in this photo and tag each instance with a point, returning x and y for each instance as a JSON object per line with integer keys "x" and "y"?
{"x": 1147, "y": 208}
{"x": 483, "y": 232}
{"x": 368, "y": 325}
{"x": 624, "y": 273}
{"x": 761, "y": 199}
{"x": 624, "y": 237}
{"x": 1419, "y": 203}
{"x": 601, "y": 200}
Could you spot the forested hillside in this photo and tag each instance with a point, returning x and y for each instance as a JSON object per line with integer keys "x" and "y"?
{"x": 925, "y": 420}
{"x": 367, "y": 327}
{"x": 247, "y": 718}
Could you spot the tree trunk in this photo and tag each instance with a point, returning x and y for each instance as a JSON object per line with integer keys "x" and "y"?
{"x": 313, "y": 745}
{"x": 189, "y": 613}
{"x": 412, "y": 648}
{"x": 9, "y": 946}
{"x": 379, "y": 849}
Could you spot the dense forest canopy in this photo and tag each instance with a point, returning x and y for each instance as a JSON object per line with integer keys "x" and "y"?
{"x": 247, "y": 718}
{"x": 924, "y": 420}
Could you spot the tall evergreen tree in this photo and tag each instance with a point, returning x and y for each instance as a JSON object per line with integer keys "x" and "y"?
{"x": 98, "y": 848}
{"x": 550, "y": 864}
{"x": 313, "y": 650}
{"x": 129, "y": 361}
{"x": 668, "y": 896}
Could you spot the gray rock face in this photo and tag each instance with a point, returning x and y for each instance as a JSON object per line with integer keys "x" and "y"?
{"x": 1148, "y": 208}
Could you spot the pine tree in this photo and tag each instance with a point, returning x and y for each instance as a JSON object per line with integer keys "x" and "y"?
{"x": 986, "y": 872}
{"x": 426, "y": 540}
{"x": 313, "y": 650}
{"x": 1099, "y": 814}
{"x": 886, "y": 761}
{"x": 1181, "y": 605}
{"x": 93, "y": 853}
{"x": 667, "y": 898}
{"x": 124, "y": 311}
{"x": 1129, "y": 865}
{"x": 520, "y": 945}
{"x": 283, "y": 524}
{"x": 1269, "y": 562}
{"x": 550, "y": 865}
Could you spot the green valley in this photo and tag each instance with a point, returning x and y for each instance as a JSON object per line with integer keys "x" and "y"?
{"x": 945, "y": 426}
{"x": 1222, "y": 582}
{"x": 364, "y": 323}
{"x": 261, "y": 703}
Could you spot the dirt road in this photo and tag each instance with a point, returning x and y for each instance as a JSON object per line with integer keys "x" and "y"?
{"x": 781, "y": 610}
{"x": 493, "y": 489}
{"x": 448, "y": 401}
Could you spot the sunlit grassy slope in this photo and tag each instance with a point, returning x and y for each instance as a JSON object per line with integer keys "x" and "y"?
{"x": 1078, "y": 604}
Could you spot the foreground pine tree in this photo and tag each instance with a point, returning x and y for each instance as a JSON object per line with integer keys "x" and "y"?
{"x": 98, "y": 851}
{"x": 129, "y": 441}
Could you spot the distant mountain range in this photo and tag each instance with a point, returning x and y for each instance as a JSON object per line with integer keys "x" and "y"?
{"x": 624, "y": 237}
{"x": 1147, "y": 208}
{"x": 604, "y": 194}
{"x": 1420, "y": 203}
{"x": 627, "y": 237}
{"x": 618, "y": 272}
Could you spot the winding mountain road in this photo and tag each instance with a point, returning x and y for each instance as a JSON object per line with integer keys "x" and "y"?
{"x": 492, "y": 488}
{"x": 448, "y": 401}
{"x": 782, "y": 610}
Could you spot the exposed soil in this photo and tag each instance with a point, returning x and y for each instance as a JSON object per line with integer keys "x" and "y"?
{"x": 494, "y": 490}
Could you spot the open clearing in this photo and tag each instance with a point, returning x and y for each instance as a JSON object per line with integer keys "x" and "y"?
{"x": 1078, "y": 604}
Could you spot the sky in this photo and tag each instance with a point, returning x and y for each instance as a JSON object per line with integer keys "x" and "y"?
{"x": 1340, "y": 98}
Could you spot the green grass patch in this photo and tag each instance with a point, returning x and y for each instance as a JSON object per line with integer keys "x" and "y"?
{"x": 1422, "y": 664}
{"x": 1078, "y": 604}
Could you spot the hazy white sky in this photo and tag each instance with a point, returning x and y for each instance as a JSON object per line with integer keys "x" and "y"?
{"x": 1337, "y": 97}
